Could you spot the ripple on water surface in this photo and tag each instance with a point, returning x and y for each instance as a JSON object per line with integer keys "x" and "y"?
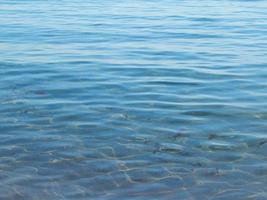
{"x": 133, "y": 100}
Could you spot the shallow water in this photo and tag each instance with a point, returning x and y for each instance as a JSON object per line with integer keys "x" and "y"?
{"x": 133, "y": 99}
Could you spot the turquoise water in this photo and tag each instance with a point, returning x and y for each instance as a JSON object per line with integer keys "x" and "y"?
{"x": 133, "y": 99}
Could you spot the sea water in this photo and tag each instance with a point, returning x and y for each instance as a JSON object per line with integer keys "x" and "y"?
{"x": 133, "y": 99}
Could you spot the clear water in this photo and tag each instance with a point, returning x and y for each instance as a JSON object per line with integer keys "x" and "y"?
{"x": 133, "y": 99}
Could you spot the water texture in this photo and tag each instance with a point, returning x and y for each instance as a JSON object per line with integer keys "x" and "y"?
{"x": 133, "y": 99}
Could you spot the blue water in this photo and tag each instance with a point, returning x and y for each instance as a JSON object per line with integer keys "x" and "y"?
{"x": 133, "y": 99}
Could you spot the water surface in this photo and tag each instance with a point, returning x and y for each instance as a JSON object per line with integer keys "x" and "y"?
{"x": 133, "y": 99}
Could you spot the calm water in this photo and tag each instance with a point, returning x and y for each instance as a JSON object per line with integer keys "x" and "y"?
{"x": 133, "y": 99}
